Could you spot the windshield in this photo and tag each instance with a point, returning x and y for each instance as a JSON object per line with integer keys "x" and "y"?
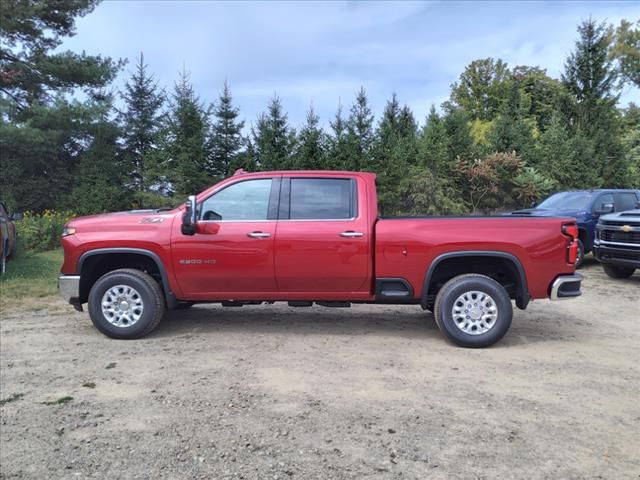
{"x": 568, "y": 201}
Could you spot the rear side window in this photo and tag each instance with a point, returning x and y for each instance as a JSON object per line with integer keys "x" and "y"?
{"x": 322, "y": 199}
{"x": 625, "y": 201}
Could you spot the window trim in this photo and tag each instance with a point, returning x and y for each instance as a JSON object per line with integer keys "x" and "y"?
{"x": 272, "y": 206}
{"x": 284, "y": 212}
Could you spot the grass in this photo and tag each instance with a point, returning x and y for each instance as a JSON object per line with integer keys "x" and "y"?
{"x": 12, "y": 398}
{"x": 32, "y": 275}
{"x": 59, "y": 401}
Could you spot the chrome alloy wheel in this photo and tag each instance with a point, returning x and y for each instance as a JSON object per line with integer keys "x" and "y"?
{"x": 122, "y": 305}
{"x": 474, "y": 312}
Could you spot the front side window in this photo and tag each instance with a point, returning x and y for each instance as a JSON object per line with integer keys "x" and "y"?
{"x": 242, "y": 201}
{"x": 602, "y": 201}
{"x": 625, "y": 201}
{"x": 322, "y": 199}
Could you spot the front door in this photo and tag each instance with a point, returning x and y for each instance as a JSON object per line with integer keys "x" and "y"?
{"x": 231, "y": 255}
{"x": 323, "y": 239}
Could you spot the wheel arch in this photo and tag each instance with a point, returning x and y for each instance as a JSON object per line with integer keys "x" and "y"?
{"x": 513, "y": 264}
{"x": 95, "y": 263}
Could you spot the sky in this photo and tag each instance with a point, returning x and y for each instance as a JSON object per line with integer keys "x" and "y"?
{"x": 320, "y": 53}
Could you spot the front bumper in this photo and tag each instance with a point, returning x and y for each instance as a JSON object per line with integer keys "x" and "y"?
{"x": 69, "y": 288}
{"x": 566, "y": 286}
{"x": 623, "y": 257}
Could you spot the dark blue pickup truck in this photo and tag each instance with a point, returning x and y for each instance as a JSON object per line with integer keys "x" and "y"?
{"x": 585, "y": 206}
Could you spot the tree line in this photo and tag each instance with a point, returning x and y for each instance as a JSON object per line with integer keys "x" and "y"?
{"x": 507, "y": 136}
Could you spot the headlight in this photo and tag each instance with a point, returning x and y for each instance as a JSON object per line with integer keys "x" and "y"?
{"x": 66, "y": 231}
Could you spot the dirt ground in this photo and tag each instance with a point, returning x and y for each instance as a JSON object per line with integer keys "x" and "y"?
{"x": 372, "y": 391}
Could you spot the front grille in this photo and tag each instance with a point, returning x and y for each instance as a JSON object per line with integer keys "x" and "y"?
{"x": 620, "y": 236}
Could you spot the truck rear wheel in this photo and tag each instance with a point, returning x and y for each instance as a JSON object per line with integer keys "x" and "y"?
{"x": 473, "y": 310}
{"x": 615, "y": 271}
{"x": 126, "y": 304}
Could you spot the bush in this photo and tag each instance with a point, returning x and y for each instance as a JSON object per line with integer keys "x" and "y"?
{"x": 39, "y": 232}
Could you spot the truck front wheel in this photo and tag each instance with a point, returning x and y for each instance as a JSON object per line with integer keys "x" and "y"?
{"x": 615, "y": 271}
{"x": 473, "y": 310}
{"x": 126, "y": 304}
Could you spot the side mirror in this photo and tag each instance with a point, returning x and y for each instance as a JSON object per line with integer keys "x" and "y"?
{"x": 533, "y": 204}
{"x": 605, "y": 208}
{"x": 189, "y": 217}
{"x": 15, "y": 216}
{"x": 638, "y": 205}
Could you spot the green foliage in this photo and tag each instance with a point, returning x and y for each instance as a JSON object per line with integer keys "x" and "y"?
{"x": 482, "y": 87}
{"x": 487, "y": 183}
{"x": 141, "y": 124}
{"x": 272, "y": 138}
{"x": 626, "y": 51}
{"x": 39, "y": 232}
{"x": 186, "y": 153}
{"x": 226, "y": 135}
{"x": 506, "y": 136}
{"x": 360, "y": 134}
{"x": 530, "y": 185}
{"x": 311, "y": 144}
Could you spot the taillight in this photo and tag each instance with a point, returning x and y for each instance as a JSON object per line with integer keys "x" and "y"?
{"x": 571, "y": 231}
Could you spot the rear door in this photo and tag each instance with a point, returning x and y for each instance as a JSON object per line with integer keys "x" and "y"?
{"x": 323, "y": 245}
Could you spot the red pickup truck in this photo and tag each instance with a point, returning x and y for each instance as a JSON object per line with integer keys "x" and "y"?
{"x": 313, "y": 236}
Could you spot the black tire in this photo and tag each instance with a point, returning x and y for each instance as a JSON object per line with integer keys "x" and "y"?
{"x": 456, "y": 287}
{"x": 615, "y": 271}
{"x": 184, "y": 305}
{"x": 580, "y": 256}
{"x": 149, "y": 292}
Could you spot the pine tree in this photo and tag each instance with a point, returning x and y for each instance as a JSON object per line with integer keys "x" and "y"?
{"x": 43, "y": 133}
{"x": 434, "y": 144}
{"x": 590, "y": 79}
{"x": 311, "y": 144}
{"x": 338, "y": 154}
{"x": 186, "y": 153}
{"x": 360, "y": 133}
{"x": 226, "y": 135}
{"x": 272, "y": 138}
{"x": 512, "y": 131}
{"x": 98, "y": 178}
{"x": 141, "y": 122}
{"x": 394, "y": 150}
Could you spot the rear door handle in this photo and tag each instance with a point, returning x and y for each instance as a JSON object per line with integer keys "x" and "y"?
{"x": 351, "y": 234}
{"x": 258, "y": 235}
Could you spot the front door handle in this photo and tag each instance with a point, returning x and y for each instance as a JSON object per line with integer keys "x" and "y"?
{"x": 351, "y": 234}
{"x": 258, "y": 235}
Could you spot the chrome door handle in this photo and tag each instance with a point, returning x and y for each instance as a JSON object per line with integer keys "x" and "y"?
{"x": 258, "y": 235}
{"x": 351, "y": 234}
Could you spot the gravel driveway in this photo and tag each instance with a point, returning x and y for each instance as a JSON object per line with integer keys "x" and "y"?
{"x": 372, "y": 391}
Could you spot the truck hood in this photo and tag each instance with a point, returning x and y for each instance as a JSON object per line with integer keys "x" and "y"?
{"x": 543, "y": 212}
{"x": 130, "y": 217}
{"x": 628, "y": 216}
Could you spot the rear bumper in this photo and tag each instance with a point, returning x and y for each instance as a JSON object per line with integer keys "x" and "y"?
{"x": 566, "y": 286}
{"x": 69, "y": 288}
